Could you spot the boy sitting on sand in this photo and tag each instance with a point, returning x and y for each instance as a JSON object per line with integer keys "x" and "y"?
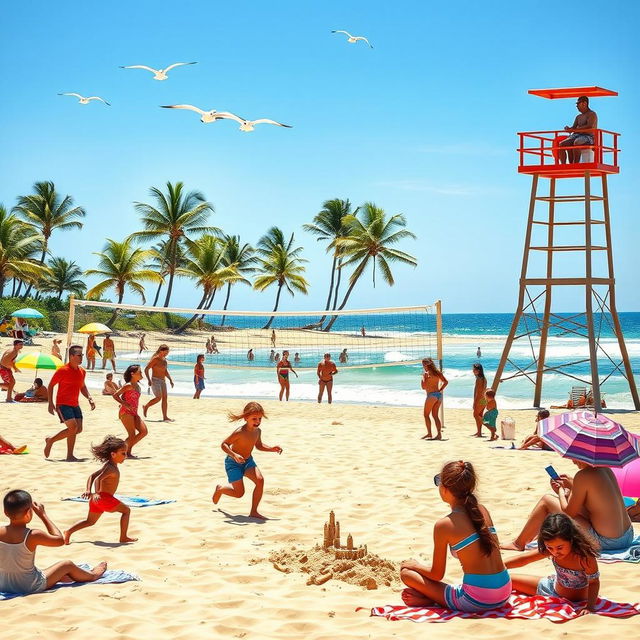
{"x": 110, "y": 387}
{"x": 239, "y": 461}
{"x": 491, "y": 413}
{"x": 18, "y": 573}
{"x": 112, "y": 451}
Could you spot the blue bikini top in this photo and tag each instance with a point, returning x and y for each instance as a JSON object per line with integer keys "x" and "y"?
{"x": 470, "y": 539}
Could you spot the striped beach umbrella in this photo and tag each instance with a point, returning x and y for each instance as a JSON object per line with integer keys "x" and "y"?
{"x": 596, "y": 440}
{"x": 37, "y": 360}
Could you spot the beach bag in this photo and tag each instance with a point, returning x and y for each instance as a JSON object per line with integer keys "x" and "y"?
{"x": 508, "y": 429}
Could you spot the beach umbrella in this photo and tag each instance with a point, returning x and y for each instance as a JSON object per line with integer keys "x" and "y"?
{"x": 596, "y": 440}
{"x": 628, "y": 477}
{"x": 27, "y": 312}
{"x": 37, "y": 360}
{"x": 94, "y": 327}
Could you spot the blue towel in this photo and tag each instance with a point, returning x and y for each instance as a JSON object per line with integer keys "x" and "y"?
{"x": 130, "y": 501}
{"x": 110, "y": 576}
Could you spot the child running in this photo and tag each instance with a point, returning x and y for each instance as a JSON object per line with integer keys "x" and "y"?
{"x": 239, "y": 461}
{"x": 468, "y": 530}
{"x": 491, "y": 413}
{"x": 112, "y": 451}
{"x": 198, "y": 376}
{"x": 129, "y": 396}
{"x": 573, "y": 553}
{"x": 18, "y": 573}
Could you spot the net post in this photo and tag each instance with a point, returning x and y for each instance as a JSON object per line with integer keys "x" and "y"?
{"x": 439, "y": 348}
{"x": 70, "y": 323}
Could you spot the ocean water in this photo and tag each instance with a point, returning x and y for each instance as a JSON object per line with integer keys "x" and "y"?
{"x": 399, "y": 384}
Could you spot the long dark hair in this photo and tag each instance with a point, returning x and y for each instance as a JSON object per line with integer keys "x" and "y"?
{"x": 129, "y": 371}
{"x": 560, "y": 525}
{"x": 478, "y": 367}
{"x": 460, "y": 479}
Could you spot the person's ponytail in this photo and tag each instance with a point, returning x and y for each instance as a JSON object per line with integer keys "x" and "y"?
{"x": 487, "y": 540}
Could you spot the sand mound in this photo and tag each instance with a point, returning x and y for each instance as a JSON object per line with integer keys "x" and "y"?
{"x": 322, "y": 566}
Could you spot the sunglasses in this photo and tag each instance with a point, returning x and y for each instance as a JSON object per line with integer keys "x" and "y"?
{"x": 77, "y": 354}
{"x": 437, "y": 480}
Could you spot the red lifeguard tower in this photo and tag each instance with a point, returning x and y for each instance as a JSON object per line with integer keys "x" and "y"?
{"x": 535, "y": 320}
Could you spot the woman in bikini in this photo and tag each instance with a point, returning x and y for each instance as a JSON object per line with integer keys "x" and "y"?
{"x": 129, "y": 396}
{"x": 283, "y": 366}
{"x": 468, "y": 531}
{"x": 479, "y": 400}
{"x": 433, "y": 382}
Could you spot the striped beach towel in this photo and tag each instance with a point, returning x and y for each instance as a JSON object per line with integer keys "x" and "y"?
{"x": 519, "y": 606}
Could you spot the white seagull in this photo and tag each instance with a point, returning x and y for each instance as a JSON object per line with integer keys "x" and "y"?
{"x": 84, "y": 100}
{"x": 353, "y": 39}
{"x": 159, "y": 74}
{"x": 249, "y": 125}
{"x": 206, "y": 116}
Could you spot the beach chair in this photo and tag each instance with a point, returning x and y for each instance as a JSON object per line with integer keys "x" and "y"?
{"x": 578, "y": 397}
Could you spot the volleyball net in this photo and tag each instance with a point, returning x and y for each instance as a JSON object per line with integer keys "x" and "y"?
{"x": 256, "y": 339}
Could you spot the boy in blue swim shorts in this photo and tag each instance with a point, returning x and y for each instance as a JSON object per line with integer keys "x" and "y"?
{"x": 491, "y": 413}
{"x": 239, "y": 461}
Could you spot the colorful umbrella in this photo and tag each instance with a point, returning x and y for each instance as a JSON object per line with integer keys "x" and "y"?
{"x": 629, "y": 477}
{"x": 596, "y": 440}
{"x": 37, "y": 360}
{"x": 94, "y": 327}
{"x": 27, "y": 312}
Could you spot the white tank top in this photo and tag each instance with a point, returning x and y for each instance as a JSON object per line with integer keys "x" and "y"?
{"x": 18, "y": 573}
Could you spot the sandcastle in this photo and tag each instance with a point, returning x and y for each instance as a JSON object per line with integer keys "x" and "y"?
{"x": 332, "y": 539}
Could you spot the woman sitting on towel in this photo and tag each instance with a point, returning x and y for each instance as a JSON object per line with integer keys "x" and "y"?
{"x": 468, "y": 530}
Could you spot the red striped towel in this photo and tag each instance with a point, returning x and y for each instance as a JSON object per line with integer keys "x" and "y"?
{"x": 519, "y": 606}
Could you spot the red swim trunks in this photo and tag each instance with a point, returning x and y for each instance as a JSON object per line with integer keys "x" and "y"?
{"x": 7, "y": 375}
{"x": 105, "y": 502}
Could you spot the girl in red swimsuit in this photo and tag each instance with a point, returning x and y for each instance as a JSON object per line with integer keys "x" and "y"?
{"x": 282, "y": 370}
{"x": 128, "y": 397}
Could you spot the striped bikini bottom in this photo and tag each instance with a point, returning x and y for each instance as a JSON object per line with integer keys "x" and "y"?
{"x": 479, "y": 592}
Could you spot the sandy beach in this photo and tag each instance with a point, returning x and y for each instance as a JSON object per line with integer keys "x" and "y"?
{"x": 205, "y": 569}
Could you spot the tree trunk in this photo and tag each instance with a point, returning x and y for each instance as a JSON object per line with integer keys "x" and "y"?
{"x": 42, "y": 257}
{"x": 155, "y": 300}
{"x": 226, "y": 303}
{"x": 190, "y": 321}
{"x": 114, "y": 315}
{"x": 335, "y": 297}
{"x": 346, "y": 297}
{"x": 275, "y": 308}
{"x": 14, "y": 283}
{"x": 333, "y": 276}
{"x": 2, "y": 281}
{"x": 17, "y": 292}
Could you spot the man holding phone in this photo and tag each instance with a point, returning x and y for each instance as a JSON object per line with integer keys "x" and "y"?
{"x": 592, "y": 498}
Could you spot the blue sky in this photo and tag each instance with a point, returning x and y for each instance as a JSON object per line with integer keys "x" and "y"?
{"x": 424, "y": 124}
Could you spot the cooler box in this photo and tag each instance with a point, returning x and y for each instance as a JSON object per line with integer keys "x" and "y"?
{"x": 508, "y": 429}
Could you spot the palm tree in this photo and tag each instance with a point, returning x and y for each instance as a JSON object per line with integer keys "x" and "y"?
{"x": 240, "y": 259}
{"x": 279, "y": 263}
{"x": 46, "y": 210}
{"x": 122, "y": 266}
{"x": 18, "y": 242}
{"x": 205, "y": 264}
{"x": 329, "y": 225}
{"x": 371, "y": 240}
{"x": 160, "y": 263}
{"x": 63, "y": 276}
{"x": 176, "y": 216}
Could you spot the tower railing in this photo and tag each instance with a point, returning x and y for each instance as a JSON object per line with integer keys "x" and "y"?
{"x": 540, "y": 152}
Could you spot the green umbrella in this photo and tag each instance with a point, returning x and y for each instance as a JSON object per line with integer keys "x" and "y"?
{"x": 37, "y": 360}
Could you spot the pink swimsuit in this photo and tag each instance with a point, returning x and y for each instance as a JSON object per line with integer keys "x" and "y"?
{"x": 131, "y": 398}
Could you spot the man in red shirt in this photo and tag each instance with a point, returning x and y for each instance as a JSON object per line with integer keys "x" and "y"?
{"x": 70, "y": 381}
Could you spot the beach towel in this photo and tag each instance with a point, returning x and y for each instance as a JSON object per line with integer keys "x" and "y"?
{"x": 110, "y": 576}
{"x": 519, "y": 606}
{"x": 130, "y": 501}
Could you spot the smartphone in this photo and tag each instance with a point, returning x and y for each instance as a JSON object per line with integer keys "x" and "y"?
{"x": 552, "y": 472}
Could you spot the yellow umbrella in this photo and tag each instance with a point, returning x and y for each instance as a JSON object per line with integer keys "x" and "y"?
{"x": 94, "y": 327}
{"x": 37, "y": 360}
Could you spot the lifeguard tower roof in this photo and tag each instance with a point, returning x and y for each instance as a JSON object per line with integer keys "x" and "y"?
{"x": 573, "y": 92}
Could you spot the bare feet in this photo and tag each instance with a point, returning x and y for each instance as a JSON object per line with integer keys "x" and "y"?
{"x": 67, "y": 537}
{"x": 72, "y": 459}
{"x": 255, "y": 514}
{"x": 216, "y": 494}
{"x": 127, "y": 539}
{"x": 99, "y": 569}
{"x": 438, "y": 437}
{"x": 511, "y": 546}
{"x": 476, "y": 435}
{"x": 47, "y": 447}
{"x": 427, "y": 437}
{"x": 168, "y": 420}
{"x": 492, "y": 438}
{"x": 144, "y": 410}
{"x": 413, "y": 598}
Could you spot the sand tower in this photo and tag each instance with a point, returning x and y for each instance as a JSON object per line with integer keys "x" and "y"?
{"x": 551, "y": 235}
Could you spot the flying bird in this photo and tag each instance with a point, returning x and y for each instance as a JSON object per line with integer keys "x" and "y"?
{"x": 83, "y": 100}
{"x": 249, "y": 125}
{"x": 206, "y": 116}
{"x": 159, "y": 74}
{"x": 353, "y": 39}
